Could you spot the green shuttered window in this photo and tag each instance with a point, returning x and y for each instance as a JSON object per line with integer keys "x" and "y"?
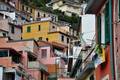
{"x": 107, "y": 29}
{"x": 99, "y": 28}
{"x": 28, "y": 29}
{"x": 103, "y": 30}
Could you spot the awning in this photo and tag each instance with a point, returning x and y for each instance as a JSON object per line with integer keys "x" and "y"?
{"x": 94, "y": 6}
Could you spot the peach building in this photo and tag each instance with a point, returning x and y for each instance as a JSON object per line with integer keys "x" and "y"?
{"x": 52, "y": 54}
{"x": 21, "y": 56}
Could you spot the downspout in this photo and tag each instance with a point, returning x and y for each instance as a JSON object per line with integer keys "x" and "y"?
{"x": 111, "y": 41}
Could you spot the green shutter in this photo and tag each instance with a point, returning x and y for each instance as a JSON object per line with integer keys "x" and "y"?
{"x": 28, "y": 29}
{"x": 99, "y": 28}
{"x": 107, "y": 30}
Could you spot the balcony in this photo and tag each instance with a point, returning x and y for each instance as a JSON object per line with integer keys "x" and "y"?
{"x": 8, "y": 62}
{"x": 10, "y": 58}
{"x": 59, "y": 53}
{"x": 44, "y": 19}
{"x": 4, "y": 25}
{"x": 89, "y": 67}
{"x": 10, "y": 71}
{"x": 37, "y": 65}
{"x": 60, "y": 29}
{"x": 94, "y": 6}
{"x": 16, "y": 22}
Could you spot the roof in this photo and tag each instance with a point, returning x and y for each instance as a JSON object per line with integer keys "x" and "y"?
{"x": 24, "y": 40}
{"x": 33, "y": 22}
{"x": 59, "y": 45}
{"x": 68, "y": 1}
{"x": 56, "y": 44}
{"x": 43, "y": 43}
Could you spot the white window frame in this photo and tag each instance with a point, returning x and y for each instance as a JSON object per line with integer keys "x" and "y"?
{"x": 102, "y": 27}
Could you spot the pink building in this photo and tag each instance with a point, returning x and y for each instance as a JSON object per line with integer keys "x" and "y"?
{"x": 51, "y": 54}
{"x": 116, "y": 36}
{"x": 22, "y": 56}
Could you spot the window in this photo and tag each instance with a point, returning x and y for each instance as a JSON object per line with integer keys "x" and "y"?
{"x": 103, "y": 30}
{"x": 28, "y": 29}
{"x": 21, "y": 30}
{"x": 48, "y": 15}
{"x": 12, "y": 29}
{"x": 99, "y": 28}
{"x": 44, "y": 15}
{"x": 39, "y": 28}
{"x": 92, "y": 77}
{"x": 38, "y": 14}
{"x": 44, "y": 53}
{"x": 62, "y": 38}
{"x": 23, "y": 7}
{"x": 107, "y": 30}
{"x": 3, "y": 53}
{"x": 53, "y": 27}
{"x": 4, "y": 34}
{"x": 47, "y": 39}
{"x": 8, "y": 9}
{"x": 42, "y": 75}
{"x": 67, "y": 40}
{"x": 63, "y": 2}
{"x": 40, "y": 38}
{"x": 26, "y": 8}
{"x": 31, "y": 10}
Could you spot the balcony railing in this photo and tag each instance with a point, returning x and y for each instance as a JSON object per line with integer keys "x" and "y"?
{"x": 37, "y": 65}
{"x": 8, "y": 62}
{"x": 60, "y": 29}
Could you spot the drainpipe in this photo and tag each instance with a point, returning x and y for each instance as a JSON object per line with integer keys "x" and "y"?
{"x": 111, "y": 41}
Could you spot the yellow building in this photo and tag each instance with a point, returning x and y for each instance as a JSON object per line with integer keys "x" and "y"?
{"x": 47, "y": 31}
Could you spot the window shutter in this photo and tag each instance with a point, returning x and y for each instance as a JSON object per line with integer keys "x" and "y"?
{"x": 99, "y": 28}
{"x": 107, "y": 30}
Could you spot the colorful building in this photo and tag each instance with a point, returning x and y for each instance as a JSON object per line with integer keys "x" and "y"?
{"x": 13, "y": 3}
{"x": 37, "y": 14}
{"x": 48, "y": 31}
{"x": 104, "y": 37}
{"x": 9, "y": 29}
{"x": 96, "y": 62}
{"x": 53, "y": 55}
{"x": 21, "y": 56}
{"x": 40, "y": 14}
{"x": 116, "y": 36}
{"x": 66, "y": 7}
{"x": 27, "y": 9}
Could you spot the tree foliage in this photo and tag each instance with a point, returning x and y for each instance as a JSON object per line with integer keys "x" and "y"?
{"x": 73, "y": 20}
{"x": 37, "y": 3}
